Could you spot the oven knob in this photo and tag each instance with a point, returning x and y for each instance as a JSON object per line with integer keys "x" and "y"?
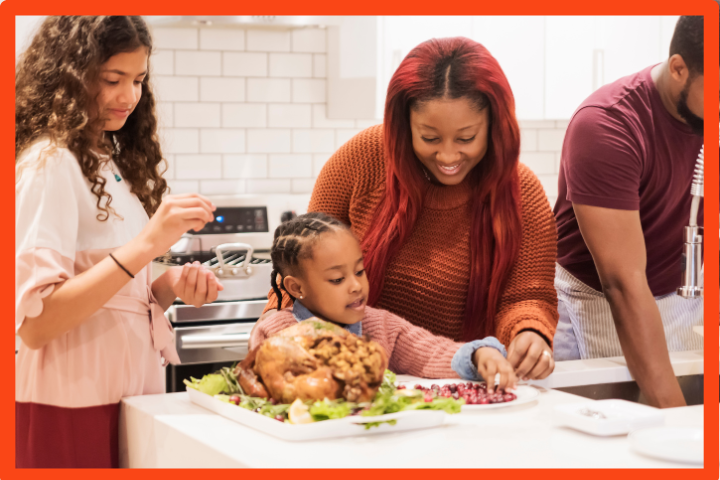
{"x": 234, "y": 271}
{"x": 248, "y": 270}
{"x": 219, "y": 272}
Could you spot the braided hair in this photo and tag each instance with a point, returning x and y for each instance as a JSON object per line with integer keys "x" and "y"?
{"x": 293, "y": 241}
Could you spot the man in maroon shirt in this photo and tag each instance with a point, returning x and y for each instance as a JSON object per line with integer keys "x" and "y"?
{"x": 624, "y": 198}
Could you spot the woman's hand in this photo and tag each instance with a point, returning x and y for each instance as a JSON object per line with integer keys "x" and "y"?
{"x": 176, "y": 215}
{"x": 489, "y": 362}
{"x": 195, "y": 285}
{"x": 531, "y": 356}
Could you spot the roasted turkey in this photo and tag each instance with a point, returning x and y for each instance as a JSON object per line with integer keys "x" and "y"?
{"x": 314, "y": 360}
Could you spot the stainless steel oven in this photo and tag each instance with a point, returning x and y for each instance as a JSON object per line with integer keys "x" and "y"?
{"x": 235, "y": 246}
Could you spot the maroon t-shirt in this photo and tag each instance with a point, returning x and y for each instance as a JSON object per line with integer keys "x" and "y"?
{"x": 623, "y": 150}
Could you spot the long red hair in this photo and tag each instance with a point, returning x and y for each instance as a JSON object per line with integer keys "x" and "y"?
{"x": 452, "y": 68}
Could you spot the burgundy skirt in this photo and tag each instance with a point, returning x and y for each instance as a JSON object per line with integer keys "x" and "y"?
{"x": 56, "y": 437}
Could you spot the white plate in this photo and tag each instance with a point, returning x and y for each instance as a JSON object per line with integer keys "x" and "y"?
{"x": 525, "y": 393}
{"x": 675, "y": 444}
{"x": 611, "y": 417}
{"x": 342, "y": 427}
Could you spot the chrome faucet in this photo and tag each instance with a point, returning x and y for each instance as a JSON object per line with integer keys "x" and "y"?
{"x": 692, "y": 259}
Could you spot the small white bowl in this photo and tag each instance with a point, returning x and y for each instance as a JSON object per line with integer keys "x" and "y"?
{"x": 607, "y": 417}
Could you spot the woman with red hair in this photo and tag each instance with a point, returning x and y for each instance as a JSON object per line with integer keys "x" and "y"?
{"x": 458, "y": 237}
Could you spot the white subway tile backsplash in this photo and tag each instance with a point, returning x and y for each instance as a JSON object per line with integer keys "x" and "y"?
{"x": 536, "y": 123}
{"x": 363, "y": 124}
{"x": 180, "y": 140}
{"x": 290, "y": 166}
{"x": 198, "y": 63}
{"x": 222, "y": 187}
{"x": 319, "y": 161}
{"x": 197, "y": 114}
{"x": 550, "y": 184}
{"x": 222, "y": 89}
{"x": 528, "y": 140}
{"x": 319, "y": 65}
{"x": 244, "y": 111}
{"x": 222, "y": 39}
{"x": 268, "y": 40}
{"x": 169, "y": 173}
{"x": 175, "y": 89}
{"x": 268, "y": 90}
{"x": 245, "y": 166}
{"x": 539, "y": 163}
{"x": 344, "y": 134}
{"x": 269, "y": 140}
{"x": 291, "y": 65}
{"x": 269, "y": 186}
{"x": 163, "y": 62}
{"x": 175, "y": 38}
{"x": 165, "y": 114}
{"x": 244, "y": 115}
{"x": 289, "y": 115}
{"x": 303, "y": 185}
{"x": 309, "y": 40}
{"x": 178, "y": 187}
{"x": 550, "y": 140}
{"x": 198, "y": 167}
{"x": 310, "y": 90}
{"x": 313, "y": 141}
{"x": 320, "y": 119}
{"x": 245, "y": 64}
{"x": 222, "y": 141}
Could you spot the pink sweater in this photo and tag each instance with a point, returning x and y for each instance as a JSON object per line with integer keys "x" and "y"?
{"x": 412, "y": 350}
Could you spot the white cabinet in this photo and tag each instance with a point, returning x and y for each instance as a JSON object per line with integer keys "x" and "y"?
{"x": 552, "y": 63}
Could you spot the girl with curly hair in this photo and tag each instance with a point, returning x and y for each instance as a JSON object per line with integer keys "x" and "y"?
{"x": 90, "y": 217}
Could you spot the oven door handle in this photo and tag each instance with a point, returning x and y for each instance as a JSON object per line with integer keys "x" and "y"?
{"x": 215, "y": 341}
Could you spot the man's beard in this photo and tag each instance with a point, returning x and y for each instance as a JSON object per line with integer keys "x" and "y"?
{"x": 696, "y": 123}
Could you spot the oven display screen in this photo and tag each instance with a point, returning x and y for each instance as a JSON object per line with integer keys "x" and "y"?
{"x": 237, "y": 220}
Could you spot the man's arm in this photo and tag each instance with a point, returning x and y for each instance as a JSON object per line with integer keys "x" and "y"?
{"x": 615, "y": 240}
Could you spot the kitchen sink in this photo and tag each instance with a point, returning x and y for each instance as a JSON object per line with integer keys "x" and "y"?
{"x": 691, "y": 386}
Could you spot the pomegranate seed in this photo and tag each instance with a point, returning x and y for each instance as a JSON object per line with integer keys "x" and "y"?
{"x": 235, "y": 399}
{"x": 428, "y": 398}
{"x": 455, "y": 395}
{"x": 279, "y": 418}
{"x": 418, "y": 387}
{"x": 508, "y": 397}
{"x": 401, "y": 387}
{"x": 273, "y": 402}
{"x": 483, "y": 401}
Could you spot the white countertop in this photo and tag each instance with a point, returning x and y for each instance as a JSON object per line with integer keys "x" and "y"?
{"x": 614, "y": 369}
{"x": 168, "y": 431}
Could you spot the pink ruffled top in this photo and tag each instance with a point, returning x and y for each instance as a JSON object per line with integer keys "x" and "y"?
{"x": 119, "y": 350}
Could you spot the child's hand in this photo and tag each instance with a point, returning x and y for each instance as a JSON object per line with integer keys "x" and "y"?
{"x": 196, "y": 285}
{"x": 489, "y": 362}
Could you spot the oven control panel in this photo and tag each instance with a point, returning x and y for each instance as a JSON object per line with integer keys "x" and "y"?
{"x": 236, "y": 220}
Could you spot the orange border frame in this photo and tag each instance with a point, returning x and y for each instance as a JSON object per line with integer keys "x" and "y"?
{"x": 709, "y": 8}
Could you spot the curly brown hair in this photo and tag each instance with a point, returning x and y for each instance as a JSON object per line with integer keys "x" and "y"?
{"x": 54, "y": 79}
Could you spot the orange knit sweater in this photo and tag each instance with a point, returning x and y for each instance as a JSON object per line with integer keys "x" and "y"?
{"x": 427, "y": 281}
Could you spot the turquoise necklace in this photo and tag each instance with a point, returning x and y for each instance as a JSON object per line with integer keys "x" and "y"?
{"x": 112, "y": 167}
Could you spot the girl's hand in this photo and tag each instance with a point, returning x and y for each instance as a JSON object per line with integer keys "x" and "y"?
{"x": 195, "y": 285}
{"x": 489, "y": 362}
{"x": 176, "y": 215}
{"x": 531, "y": 356}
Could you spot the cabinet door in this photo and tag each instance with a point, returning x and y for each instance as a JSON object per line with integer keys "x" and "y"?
{"x": 518, "y": 44}
{"x": 569, "y": 45}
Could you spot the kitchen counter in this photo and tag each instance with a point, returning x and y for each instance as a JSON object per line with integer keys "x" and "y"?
{"x": 613, "y": 370}
{"x": 168, "y": 431}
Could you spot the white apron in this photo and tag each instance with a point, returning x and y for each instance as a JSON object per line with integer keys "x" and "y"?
{"x": 586, "y": 328}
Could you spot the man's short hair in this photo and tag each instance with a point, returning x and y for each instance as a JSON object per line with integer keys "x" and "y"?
{"x": 688, "y": 42}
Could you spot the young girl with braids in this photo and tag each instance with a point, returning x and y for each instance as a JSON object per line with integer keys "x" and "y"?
{"x": 88, "y": 177}
{"x": 320, "y": 266}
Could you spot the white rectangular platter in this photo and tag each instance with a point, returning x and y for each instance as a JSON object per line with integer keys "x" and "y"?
{"x": 343, "y": 427}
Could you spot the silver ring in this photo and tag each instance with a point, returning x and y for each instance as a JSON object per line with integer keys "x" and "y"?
{"x": 547, "y": 354}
